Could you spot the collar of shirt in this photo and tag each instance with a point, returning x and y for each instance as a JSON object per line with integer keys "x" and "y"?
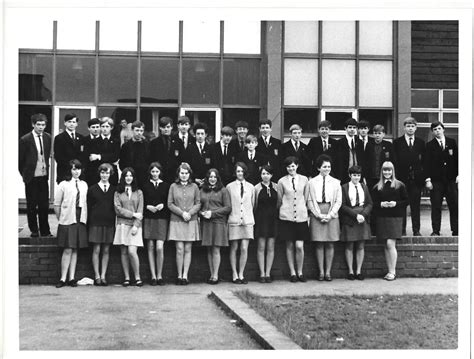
{"x": 294, "y": 143}
{"x": 365, "y": 140}
{"x": 251, "y": 154}
{"x": 105, "y": 137}
{"x": 349, "y": 139}
{"x": 37, "y": 134}
{"x": 183, "y": 137}
{"x": 442, "y": 139}
{"x": 71, "y": 133}
{"x": 223, "y": 146}
{"x": 407, "y": 138}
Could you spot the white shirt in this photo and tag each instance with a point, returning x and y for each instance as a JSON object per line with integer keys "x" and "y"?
{"x": 442, "y": 142}
{"x": 407, "y": 139}
{"x": 105, "y": 137}
{"x": 38, "y": 147}
{"x": 104, "y": 187}
{"x": 352, "y": 194}
{"x": 184, "y": 138}
{"x": 294, "y": 144}
{"x": 364, "y": 140}
{"x": 223, "y": 146}
{"x": 349, "y": 140}
{"x": 251, "y": 155}
{"x": 71, "y": 134}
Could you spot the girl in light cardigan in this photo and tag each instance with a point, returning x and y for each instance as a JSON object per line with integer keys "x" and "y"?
{"x": 324, "y": 201}
{"x": 70, "y": 207}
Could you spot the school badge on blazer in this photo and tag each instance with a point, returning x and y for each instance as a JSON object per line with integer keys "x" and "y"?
{"x": 275, "y": 151}
{"x": 176, "y": 153}
{"x": 450, "y": 151}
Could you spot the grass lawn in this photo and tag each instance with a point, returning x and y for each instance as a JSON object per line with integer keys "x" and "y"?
{"x": 363, "y": 322}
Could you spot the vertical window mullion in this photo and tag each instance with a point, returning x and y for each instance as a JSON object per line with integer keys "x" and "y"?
{"x": 320, "y": 63}
{"x": 221, "y": 66}
{"x": 97, "y": 74}
{"x": 180, "y": 71}
{"x": 55, "y": 42}
{"x": 356, "y": 92}
{"x": 139, "y": 67}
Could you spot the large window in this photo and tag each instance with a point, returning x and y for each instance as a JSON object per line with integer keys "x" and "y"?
{"x": 334, "y": 70}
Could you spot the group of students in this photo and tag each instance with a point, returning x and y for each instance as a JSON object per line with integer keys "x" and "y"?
{"x": 180, "y": 188}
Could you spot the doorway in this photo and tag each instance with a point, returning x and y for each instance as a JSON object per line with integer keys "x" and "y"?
{"x": 210, "y": 116}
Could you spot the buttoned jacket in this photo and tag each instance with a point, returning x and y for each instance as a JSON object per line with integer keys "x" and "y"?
{"x": 292, "y": 204}
{"x": 125, "y": 207}
{"x": 184, "y": 199}
{"x": 65, "y": 198}
{"x": 332, "y": 193}
{"x": 242, "y": 207}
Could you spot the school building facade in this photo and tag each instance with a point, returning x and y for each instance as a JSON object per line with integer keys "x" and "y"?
{"x": 219, "y": 72}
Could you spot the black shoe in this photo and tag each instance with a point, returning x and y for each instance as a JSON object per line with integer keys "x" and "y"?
{"x": 160, "y": 282}
{"x": 60, "y": 284}
{"x": 320, "y": 277}
{"x": 47, "y": 235}
{"x": 350, "y": 276}
{"x": 302, "y": 278}
{"x": 97, "y": 282}
{"x": 34, "y": 235}
{"x": 184, "y": 281}
{"x": 153, "y": 282}
{"x": 179, "y": 281}
{"x": 293, "y": 279}
{"x": 126, "y": 283}
{"x": 328, "y": 278}
{"x": 72, "y": 283}
{"x": 417, "y": 234}
{"x": 243, "y": 281}
{"x": 359, "y": 276}
{"x": 434, "y": 234}
{"x": 236, "y": 281}
{"x": 103, "y": 283}
{"x": 213, "y": 281}
{"x": 139, "y": 283}
{"x": 262, "y": 280}
{"x": 268, "y": 279}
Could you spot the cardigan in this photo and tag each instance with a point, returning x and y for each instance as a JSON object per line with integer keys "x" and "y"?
{"x": 347, "y": 215}
{"x": 184, "y": 199}
{"x": 100, "y": 206}
{"x": 292, "y": 204}
{"x": 65, "y": 198}
{"x": 125, "y": 207}
{"x": 218, "y": 202}
{"x": 153, "y": 197}
{"x": 242, "y": 208}
{"x": 398, "y": 195}
{"x": 332, "y": 193}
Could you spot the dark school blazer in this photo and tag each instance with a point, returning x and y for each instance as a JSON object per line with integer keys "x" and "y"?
{"x": 409, "y": 163}
{"x": 66, "y": 150}
{"x": 28, "y": 155}
{"x": 224, "y": 164}
{"x": 315, "y": 148}
{"x": 273, "y": 153}
{"x": 303, "y": 156}
{"x": 200, "y": 163}
{"x": 441, "y": 165}
{"x": 253, "y": 166}
{"x": 342, "y": 158}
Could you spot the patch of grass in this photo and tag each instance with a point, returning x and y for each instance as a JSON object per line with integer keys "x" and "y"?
{"x": 363, "y": 322}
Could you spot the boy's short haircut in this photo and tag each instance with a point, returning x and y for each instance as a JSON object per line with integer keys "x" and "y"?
{"x": 363, "y": 124}
{"x": 38, "y": 117}
{"x": 108, "y": 120}
{"x": 350, "y": 122}
{"x": 265, "y": 121}
{"x": 436, "y": 124}
{"x": 165, "y": 120}
{"x": 183, "y": 119}
{"x": 227, "y": 130}
{"x": 251, "y": 138}
{"x": 92, "y": 122}
{"x": 294, "y": 127}
{"x": 378, "y": 128}
{"x": 137, "y": 123}
{"x": 409, "y": 121}
{"x": 324, "y": 124}
{"x": 242, "y": 124}
{"x": 200, "y": 126}
{"x": 70, "y": 116}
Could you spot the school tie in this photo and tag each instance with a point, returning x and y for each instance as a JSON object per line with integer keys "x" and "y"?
{"x": 225, "y": 150}
{"x": 297, "y": 146}
{"x": 410, "y": 145}
{"x": 78, "y": 195}
{"x": 324, "y": 190}
{"x": 200, "y": 149}
{"x": 73, "y": 138}
{"x": 441, "y": 143}
{"x": 352, "y": 145}
{"x": 267, "y": 141}
{"x": 241, "y": 145}
{"x": 293, "y": 183}
{"x": 105, "y": 188}
{"x": 241, "y": 189}
{"x": 167, "y": 142}
{"x": 357, "y": 196}
{"x": 41, "y": 145}
{"x": 251, "y": 157}
{"x": 128, "y": 192}
{"x": 325, "y": 146}
{"x": 268, "y": 191}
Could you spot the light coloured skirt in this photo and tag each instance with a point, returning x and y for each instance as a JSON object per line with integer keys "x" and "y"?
{"x": 324, "y": 232}
{"x": 182, "y": 231}
{"x": 124, "y": 237}
{"x": 240, "y": 232}
{"x": 155, "y": 228}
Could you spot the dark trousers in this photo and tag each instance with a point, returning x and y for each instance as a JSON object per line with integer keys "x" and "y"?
{"x": 439, "y": 191}
{"x": 414, "y": 198}
{"x": 37, "y": 204}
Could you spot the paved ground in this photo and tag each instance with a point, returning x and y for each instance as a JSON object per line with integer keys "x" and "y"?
{"x": 425, "y": 229}
{"x": 169, "y": 317}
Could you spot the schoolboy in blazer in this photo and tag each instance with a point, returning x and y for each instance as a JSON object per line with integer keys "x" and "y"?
{"x": 347, "y": 151}
{"x": 198, "y": 154}
{"x": 322, "y": 144}
{"x": 409, "y": 154}
{"x": 441, "y": 172}
{"x": 181, "y": 140}
{"x": 33, "y": 164}
{"x": 223, "y": 156}
{"x": 378, "y": 152}
{"x": 91, "y": 164}
{"x": 270, "y": 147}
{"x": 252, "y": 159}
{"x": 294, "y": 147}
{"x": 238, "y": 143}
{"x": 68, "y": 145}
{"x": 162, "y": 150}
{"x": 363, "y": 146}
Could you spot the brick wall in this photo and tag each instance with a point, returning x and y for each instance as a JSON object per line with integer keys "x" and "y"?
{"x": 435, "y": 54}
{"x": 39, "y": 261}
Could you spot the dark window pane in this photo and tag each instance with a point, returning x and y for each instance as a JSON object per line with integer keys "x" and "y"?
{"x": 241, "y": 82}
{"x": 425, "y": 116}
{"x": 306, "y": 118}
{"x": 378, "y": 117}
{"x": 118, "y": 114}
{"x": 426, "y": 134}
{"x": 231, "y": 116}
{"x": 75, "y": 78}
{"x": 450, "y": 99}
{"x": 201, "y": 81}
{"x": 83, "y": 116}
{"x": 117, "y": 79}
{"x": 35, "y": 77}
{"x": 424, "y": 99}
{"x": 450, "y": 117}
{"x": 159, "y": 80}
{"x": 338, "y": 119}
{"x": 206, "y": 117}
{"x": 24, "y": 118}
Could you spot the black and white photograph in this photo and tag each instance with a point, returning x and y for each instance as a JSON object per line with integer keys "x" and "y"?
{"x": 236, "y": 177}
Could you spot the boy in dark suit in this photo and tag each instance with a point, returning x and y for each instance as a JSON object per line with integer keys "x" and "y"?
{"x": 364, "y": 145}
{"x": 238, "y": 143}
{"x": 198, "y": 154}
{"x": 68, "y": 146}
{"x": 90, "y": 157}
{"x": 294, "y": 147}
{"x": 162, "y": 150}
{"x": 347, "y": 151}
{"x": 33, "y": 164}
{"x": 223, "y": 155}
{"x": 270, "y": 147}
{"x": 441, "y": 172}
{"x": 252, "y": 159}
{"x": 409, "y": 154}
{"x": 135, "y": 153}
{"x": 322, "y": 144}
{"x": 378, "y": 152}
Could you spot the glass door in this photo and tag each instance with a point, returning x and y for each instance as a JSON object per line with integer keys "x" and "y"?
{"x": 210, "y": 116}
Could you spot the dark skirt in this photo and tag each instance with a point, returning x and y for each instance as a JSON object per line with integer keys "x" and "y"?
{"x": 101, "y": 234}
{"x": 214, "y": 233}
{"x": 155, "y": 229}
{"x": 356, "y": 232}
{"x": 73, "y": 235}
{"x": 388, "y": 228}
{"x": 293, "y": 231}
{"x": 266, "y": 227}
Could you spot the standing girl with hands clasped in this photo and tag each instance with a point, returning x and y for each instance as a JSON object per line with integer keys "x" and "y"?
{"x": 156, "y": 220}
{"x": 71, "y": 210}
{"x": 184, "y": 203}
{"x": 100, "y": 202}
{"x": 390, "y": 200}
{"x": 128, "y": 201}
